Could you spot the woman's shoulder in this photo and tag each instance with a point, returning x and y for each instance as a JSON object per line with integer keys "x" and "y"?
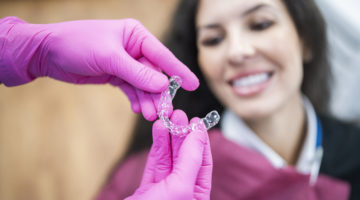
{"x": 341, "y": 143}
{"x": 342, "y": 136}
{"x": 332, "y": 123}
{"x": 126, "y": 177}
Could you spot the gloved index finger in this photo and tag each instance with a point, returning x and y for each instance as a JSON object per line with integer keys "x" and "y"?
{"x": 162, "y": 57}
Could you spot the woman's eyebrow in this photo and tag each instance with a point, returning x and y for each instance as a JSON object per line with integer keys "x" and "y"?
{"x": 254, "y": 9}
{"x": 245, "y": 13}
{"x": 209, "y": 26}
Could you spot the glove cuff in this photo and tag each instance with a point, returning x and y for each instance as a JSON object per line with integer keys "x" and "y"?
{"x": 20, "y": 47}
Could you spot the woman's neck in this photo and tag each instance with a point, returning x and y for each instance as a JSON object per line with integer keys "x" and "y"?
{"x": 283, "y": 131}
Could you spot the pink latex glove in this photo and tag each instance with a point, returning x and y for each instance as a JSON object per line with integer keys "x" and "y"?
{"x": 90, "y": 51}
{"x": 177, "y": 167}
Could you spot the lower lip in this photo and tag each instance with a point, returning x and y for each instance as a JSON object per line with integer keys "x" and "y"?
{"x": 252, "y": 90}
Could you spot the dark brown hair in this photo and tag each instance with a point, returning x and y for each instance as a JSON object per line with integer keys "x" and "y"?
{"x": 181, "y": 40}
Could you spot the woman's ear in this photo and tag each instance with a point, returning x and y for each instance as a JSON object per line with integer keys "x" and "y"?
{"x": 307, "y": 55}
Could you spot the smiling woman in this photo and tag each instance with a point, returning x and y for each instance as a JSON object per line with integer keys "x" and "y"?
{"x": 255, "y": 70}
{"x": 264, "y": 64}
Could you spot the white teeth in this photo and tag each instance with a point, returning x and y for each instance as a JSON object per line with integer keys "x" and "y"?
{"x": 251, "y": 80}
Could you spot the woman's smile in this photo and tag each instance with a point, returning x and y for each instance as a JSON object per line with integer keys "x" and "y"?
{"x": 251, "y": 82}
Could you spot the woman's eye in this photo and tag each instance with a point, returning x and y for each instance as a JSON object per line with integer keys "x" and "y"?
{"x": 259, "y": 26}
{"x": 212, "y": 41}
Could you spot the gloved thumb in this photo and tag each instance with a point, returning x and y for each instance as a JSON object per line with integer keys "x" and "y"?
{"x": 190, "y": 157}
{"x": 158, "y": 164}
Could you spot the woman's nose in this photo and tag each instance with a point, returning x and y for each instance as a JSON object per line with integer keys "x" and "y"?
{"x": 240, "y": 48}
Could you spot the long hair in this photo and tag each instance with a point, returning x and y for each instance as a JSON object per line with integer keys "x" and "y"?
{"x": 181, "y": 40}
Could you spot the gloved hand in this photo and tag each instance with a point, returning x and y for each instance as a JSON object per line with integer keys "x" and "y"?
{"x": 177, "y": 167}
{"x": 89, "y": 51}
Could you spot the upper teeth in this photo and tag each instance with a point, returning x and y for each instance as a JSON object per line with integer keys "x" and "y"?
{"x": 251, "y": 80}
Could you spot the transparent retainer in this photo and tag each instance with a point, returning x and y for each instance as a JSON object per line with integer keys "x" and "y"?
{"x": 209, "y": 121}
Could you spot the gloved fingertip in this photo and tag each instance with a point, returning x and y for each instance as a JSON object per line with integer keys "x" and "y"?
{"x": 150, "y": 117}
{"x": 159, "y": 130}
{"x": 159, "y": 83}
{"x": 191, "y": 82}
{"x": 195, "y": 119}
{"x": 179, "y": 117}
{"x": 135, "y": 107}
{"x": 159, "y": 125}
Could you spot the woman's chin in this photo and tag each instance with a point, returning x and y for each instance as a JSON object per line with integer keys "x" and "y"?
{"x": 253, "y": 113}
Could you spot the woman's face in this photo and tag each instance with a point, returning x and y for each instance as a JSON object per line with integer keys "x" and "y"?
{"x": 250, "y": 55}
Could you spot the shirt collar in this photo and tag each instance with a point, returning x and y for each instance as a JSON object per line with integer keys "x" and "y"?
{"x": 236, "y": 130}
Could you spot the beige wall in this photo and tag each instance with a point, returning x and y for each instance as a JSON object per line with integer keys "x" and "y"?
{"x": 57, "y": 140}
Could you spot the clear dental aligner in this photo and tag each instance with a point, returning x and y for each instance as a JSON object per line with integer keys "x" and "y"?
{"x": 210, "y": 120}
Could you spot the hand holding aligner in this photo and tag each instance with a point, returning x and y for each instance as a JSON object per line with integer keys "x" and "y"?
{"x": 210, "y": 120}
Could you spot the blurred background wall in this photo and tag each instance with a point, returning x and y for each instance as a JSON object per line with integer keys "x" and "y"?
{"x": 58, "y": 140}
{"x": 343, "y": 27}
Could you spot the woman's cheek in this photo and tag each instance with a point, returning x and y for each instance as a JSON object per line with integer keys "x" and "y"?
{"x": 209, "y": 64}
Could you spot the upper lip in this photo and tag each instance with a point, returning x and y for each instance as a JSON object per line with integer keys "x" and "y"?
{"x": 248, "y": 73}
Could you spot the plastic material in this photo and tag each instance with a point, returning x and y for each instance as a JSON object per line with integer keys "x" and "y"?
{"x": 209, "y": 121}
